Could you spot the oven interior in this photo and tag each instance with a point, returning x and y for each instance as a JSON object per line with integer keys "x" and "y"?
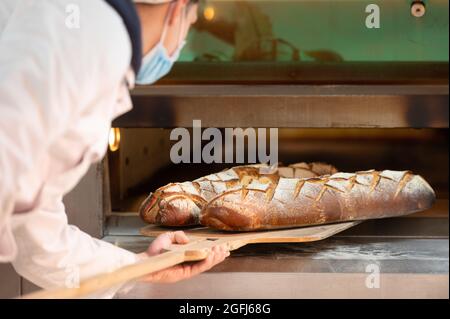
{"x": 142, "y": 163}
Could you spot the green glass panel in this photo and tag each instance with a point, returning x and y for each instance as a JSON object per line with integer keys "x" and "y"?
{"x": 321, "y": 31}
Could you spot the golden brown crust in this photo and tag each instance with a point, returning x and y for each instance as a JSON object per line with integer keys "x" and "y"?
{"x": 312, "y": 201}
{"x": 179, "y": 204}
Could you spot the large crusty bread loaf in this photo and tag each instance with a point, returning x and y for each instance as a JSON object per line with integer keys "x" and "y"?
{"x": 294, "y": 202}
{"x": 179, "y": 204}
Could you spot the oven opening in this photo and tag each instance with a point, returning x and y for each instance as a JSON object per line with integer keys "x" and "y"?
{"x": 141, "y": 162}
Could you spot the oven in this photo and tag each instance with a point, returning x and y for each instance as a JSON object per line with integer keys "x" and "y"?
{"x": 338, "y": 92}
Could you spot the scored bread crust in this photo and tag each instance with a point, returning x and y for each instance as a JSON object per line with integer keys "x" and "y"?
{"x": 180, "y": 204}
{"x": 295, "y": 202}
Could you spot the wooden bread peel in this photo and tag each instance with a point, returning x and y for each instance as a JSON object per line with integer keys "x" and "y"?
{"x": 202, "y": 240}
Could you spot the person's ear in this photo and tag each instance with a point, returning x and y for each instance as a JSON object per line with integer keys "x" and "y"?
{"x": 178, "y": 10}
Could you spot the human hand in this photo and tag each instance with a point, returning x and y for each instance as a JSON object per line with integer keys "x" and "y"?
{"x": 181, "y": 271}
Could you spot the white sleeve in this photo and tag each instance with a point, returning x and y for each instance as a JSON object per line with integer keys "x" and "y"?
{"x": 48, "y": 74}
{"x": 36, "y": 102}
{"x": 55, "y": 254}
{"x": 33, "y": 109}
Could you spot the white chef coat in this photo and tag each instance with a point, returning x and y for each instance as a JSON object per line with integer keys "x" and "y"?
{"x": 60, "y": 88}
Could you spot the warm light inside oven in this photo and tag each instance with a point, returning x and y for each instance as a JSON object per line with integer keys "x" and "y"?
{"x": 209, "y": 13}
{"x": 114, "y": 139}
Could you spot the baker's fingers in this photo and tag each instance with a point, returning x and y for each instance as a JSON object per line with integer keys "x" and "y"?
{"x": 178, "y": 237}
{"x": 164, "y": 241}
{"x": 217, "y": 255}
{"x": 188, "y": 270}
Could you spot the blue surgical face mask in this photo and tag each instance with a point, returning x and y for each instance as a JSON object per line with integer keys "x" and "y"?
{"x": 157, "y": 63}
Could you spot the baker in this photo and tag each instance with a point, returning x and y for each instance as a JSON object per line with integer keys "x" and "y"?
{"x": 61, "y": 86}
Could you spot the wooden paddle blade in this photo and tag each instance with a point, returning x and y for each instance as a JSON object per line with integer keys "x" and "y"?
{"x": 301, "y": 234}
